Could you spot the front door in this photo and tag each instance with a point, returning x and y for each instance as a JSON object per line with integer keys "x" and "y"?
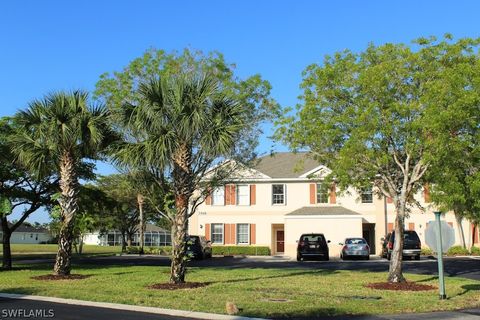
{"x": 280, "y": 241}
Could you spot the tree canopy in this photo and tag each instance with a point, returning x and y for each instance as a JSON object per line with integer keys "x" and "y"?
{"x": 380, "y": 117}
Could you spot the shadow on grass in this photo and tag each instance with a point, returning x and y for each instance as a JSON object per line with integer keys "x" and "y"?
{"x": 319, "y": 313}
{"x": 469, "y": 287}
{"x": 283, "y": 275}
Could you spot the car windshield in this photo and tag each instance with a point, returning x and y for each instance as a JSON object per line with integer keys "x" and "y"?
{"x": 355, "y": 241}
{"x": 408, "y": 235}
{"x": 313, "y": 238}
{"x": 193, "y": 239}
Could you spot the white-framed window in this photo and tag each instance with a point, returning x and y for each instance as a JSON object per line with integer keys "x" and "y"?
{"x": 278, "y": 194}
{"x": 322, "y": 193}
{"x": 243, "y": 233}
{"x": 367, "y": 195}
{"x": 243, "y": 195}
{"x": 218, "y": 196}
{"x": 217, "y": 233}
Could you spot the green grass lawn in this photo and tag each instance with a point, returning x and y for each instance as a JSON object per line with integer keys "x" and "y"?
{"x": 310, "y": 292}
{"x": 21, "y": 249}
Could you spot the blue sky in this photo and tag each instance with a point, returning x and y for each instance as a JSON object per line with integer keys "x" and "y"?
{"x": 54, "y": 45}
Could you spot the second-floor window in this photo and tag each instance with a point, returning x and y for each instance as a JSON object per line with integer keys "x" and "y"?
{"x": 243, "y": 195}
{"x": 367, "y": 195}
{"x": 322, "y": 193}
{"x": 278, "y": 194}
{"x": 218, "y": 196}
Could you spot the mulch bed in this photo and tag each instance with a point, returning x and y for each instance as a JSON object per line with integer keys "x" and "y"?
{"x": 61, "y": 277}
{"x": 402, "y": 286}
{"x": 176, "y": 286}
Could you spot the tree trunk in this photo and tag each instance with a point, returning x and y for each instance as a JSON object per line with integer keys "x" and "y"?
{"x": 129, "y": 239}
{"x": 7, "y": 252}
{"x": 69, "y": 207}
{"x": 80, "y": 245}
{"x": 142, "y": 223}
{"x": 179, "y": 248}
{"x": 182, "y": 185}
{"x": 459, "y": 219}
{"x": 124, "y": 242}
{"x": 395, "y": 273}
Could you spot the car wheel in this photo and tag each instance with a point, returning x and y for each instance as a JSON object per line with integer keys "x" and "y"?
{"x": 326, "y": 258}
{"x": 389, "y": 256}
{"x": 367, "y": 258}
{"x": 299, "y": 257}
{"x": 417, "y": 257}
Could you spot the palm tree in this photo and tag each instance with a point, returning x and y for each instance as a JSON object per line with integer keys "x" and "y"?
{"x": 62, "y": 127}
{"x": 182, "y": 126}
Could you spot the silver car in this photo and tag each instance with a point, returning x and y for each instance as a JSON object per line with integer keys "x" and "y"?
{"x": 355, "y": 247}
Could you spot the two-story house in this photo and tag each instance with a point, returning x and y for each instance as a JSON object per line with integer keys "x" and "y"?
{"x": 284, "y": 195}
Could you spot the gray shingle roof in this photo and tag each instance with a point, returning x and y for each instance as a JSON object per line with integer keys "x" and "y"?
{"x": 323, "y": 211}
{"x": 285, "y": 164}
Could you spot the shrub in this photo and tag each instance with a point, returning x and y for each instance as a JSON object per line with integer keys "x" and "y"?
{"x": 164, "y": 250}
{"x": 133, "y": 250}
{"x": 457, "y": 251}
{"x": 475, "y": 251}
{"x": 241, "y": 250}
{"x": 426, "y": 251}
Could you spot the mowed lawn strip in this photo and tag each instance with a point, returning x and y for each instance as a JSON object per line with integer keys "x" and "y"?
{"x": 257, "y": 292}
{"x": 21, "y": 249}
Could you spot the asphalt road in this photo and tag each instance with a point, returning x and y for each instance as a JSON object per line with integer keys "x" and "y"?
{"x": 462, "y": 267}
{"x": 26, "y": 309}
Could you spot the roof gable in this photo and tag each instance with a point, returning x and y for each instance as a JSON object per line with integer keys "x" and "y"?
{"x": 286, "y": 165}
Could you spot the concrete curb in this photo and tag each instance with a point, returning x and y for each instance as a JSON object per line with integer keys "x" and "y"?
{"x": 127, "y": 307}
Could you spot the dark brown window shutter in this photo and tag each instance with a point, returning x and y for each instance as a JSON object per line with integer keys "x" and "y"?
{"x": 208, "y": 199}
{"x": 390, "y": 227}
{"x": 426, "y": 193}
{"x": 333, "y": 194}
{"x": 226, "y": 233}
{"x": 313, "y": 193}
{"x": 207, "y": 231}
{"x": 253, "y": 233}
{"x": 253, "y": 194}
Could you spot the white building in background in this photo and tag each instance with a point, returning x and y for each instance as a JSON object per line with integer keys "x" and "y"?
{"x": 29, "y": 235}
{"x": 284, "y": 195}
{"x": 154, "y": 237}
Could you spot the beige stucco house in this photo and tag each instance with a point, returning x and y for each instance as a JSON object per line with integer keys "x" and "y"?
{"x": 283, "y": 196}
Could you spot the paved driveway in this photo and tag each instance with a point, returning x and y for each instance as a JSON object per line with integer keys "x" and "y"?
{"x": 468, "y": 267}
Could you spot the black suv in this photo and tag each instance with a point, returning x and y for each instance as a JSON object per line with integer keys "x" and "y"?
{"x": 411, "y": 245}
{"x": 312, "y": 245}
{"x": 198, "y": 247}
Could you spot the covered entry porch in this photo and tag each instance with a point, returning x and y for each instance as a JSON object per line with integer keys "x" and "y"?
{"x": 335, "y": 222}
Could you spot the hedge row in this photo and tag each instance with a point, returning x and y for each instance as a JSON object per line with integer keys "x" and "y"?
{"x": 461, "y": 251}
{"x": 216, "y": 250}
{"x": 240, "y": 250}
{"x": 454, "y": 251}
{"x": 164, "y": 250}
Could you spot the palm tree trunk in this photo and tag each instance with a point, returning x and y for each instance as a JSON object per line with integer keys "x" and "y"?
{"x": 142, "y": 223}
{"x": 182, "y": 190}
{"x": 69, "y": 207}
{"x": 7, "y": 252}
{"x": 395, "y": 273}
